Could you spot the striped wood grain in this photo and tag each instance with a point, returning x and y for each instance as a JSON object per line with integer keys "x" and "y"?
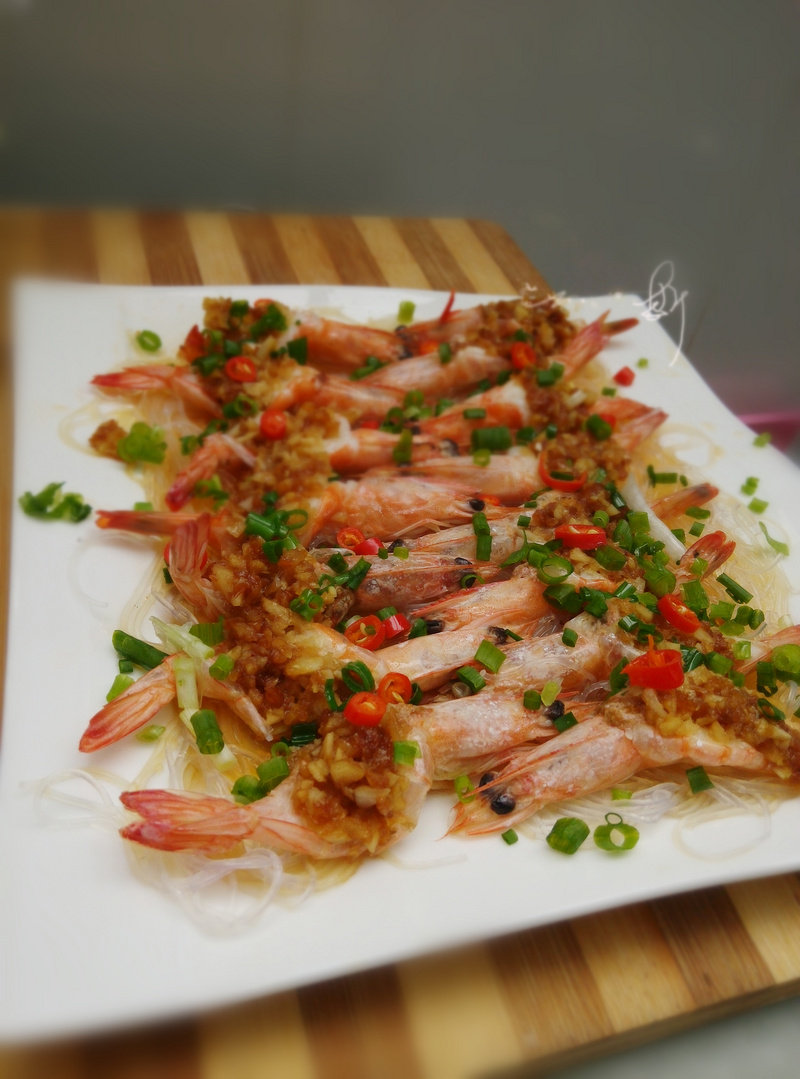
{"x": 599, "y": 981}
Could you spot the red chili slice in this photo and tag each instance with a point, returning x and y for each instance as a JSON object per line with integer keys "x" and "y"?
{"x": 367, "y": 632}
{"x": 394, "y": 625}
{"x": 678, "y": 614}
{"x": 448, "y": 312}
{"x": 584, "y": 537}
{"x": 522, "y": 355}
{"x": 660, "y": 668}
{"x": 272, "y": 424}
{"x": 365, "y": 709}
{"x": 567, "y": 481}
{"x": 241, "y": 369}
{"x": 349, "y": 537}
{"x": 426, "y": 346}
{"x": 394, "y": 687}
{"x": 368, "y": 546}
{"x": 625, "y": 376}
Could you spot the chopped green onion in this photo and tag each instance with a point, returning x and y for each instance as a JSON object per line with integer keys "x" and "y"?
{"x": 550, "y": 690}
{"x": 741, "y": 650}
{"x": 357, "y": 677}
{"x": 598, "y": 427}
{"x": 617, "y": 681}
{"x": 481, "y": 458}
{"x": 609, "y": 557}
{"x": 489, "y": 656}
{"x": 525, "y": 435}
{"x": 445, "y": 353}
{"x": 554, "y": 569}
{"x": 151, "y": 733}
{"x": 148, "y": 341}
{"x": 272, "y": 321}
{"x": 569, "y": 637}
{"x": 143, "y": 443}
{"x": 207, "y": 732}
{"x": 405, "y": 752}
{"x": 609, "y": 391}
{"x": 247, "y": 789}
{"x": 405, "y": 312}
{"x": 762, "y": 439}
{"x": 509, "y": 836}
{"x": 474, "y": 413}
{"x": 118, "y": 686}
{"x": 661, "y": 477}
{"x": 694, "y": 596}
{"x": 766, "y": 680}
{"x": 298, "y": 349}
{"x": 419, "y": 628}
{"x": 786, "y": 661}
{"x": 532, "y": 700}
{"x": 567, "y": 834}
{"x": 550, "y": 375}
{"x": 221, "y": 667}
{"x": 371, "y": 364}
{"x": 564, "y": 722}
{"x": 750, "y": 485}
{"x": 50, "y": 504}
{"x": 402, "y": 452}
{"x": 303, "y": 733}
{"x": 238, "y": 309}
{"x": 464, "y": 788}
{"x": 494, "y": 439}
{"x": 776, "y": 545}
{"x": 734, "y": 590}
{"x": 619, "y": 794}
{"x": 209, "y": 632}
{"x": 471, "y": 678}
{"x": 718, "y": 663}
{"x": 643, "y": 362}
{"x": 139, "y": 652}
{"x": 605, "y": 835}
{"x": 272, "y": 772}
{"x": 698, "y": 779}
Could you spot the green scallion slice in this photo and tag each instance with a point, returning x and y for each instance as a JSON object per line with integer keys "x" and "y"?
{"x": 139, "y": 652}
{"x": 509, "y": 836}
{"x": 471, "y": 678}
{"x": 489, "y": 656}
{"x": 532, "y": 700}
{"x": 464, "y": 788}
{"x": 148, "y": 341}
{"x": 567, "y": 834}
{"x": 734, "y": 590}
{"x": 615, "y": 834}
{"x": 405, "y": 752}
{"x": 698, "y": 779}
{"x": 207, "y": 732}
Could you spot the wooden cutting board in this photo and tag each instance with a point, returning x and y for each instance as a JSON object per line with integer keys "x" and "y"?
{"x": 522, "y": 1002}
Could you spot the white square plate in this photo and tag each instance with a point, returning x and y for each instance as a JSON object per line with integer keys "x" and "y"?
{"x": 91, "y": 945}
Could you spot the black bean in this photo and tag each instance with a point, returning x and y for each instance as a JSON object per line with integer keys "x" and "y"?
{"x": 555, "y": 710}
{"x": 503, "y": 803}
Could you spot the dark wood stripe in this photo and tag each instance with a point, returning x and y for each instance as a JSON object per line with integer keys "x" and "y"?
{"x": 168, "y": 1052}
{"x": 511, "y": 260}
{"x": 356, "y": 1027}
{"x": 169, "y": 251}
{"x": 435, "y": 259}
{"x": 349, "y": 253}
{"x": 715, "y": 954}
{"x": 548, "y": 988}
{"x": 262, "y": 250}
{"x": 68, "y": 245}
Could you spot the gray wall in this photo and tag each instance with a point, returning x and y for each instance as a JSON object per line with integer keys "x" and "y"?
{"x": 605, "y": 136}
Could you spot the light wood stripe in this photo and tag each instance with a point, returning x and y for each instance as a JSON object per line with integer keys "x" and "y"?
{"x": 264, "y": 255}
{"x": 716, "y": 957}
{"x": 215, "y": 248}
{"x": 484, "y": 272}
{"x": 348, "y": 252}
{"x": 457, "y": 1014}
{"x": 259, "y": 1038}
{"x": 121, "y": 258}
{"x": 439, "y": 264}
{"x": 307, "y": 253}
{"x": 397, "y": 264}
{"x": 168, "y": 249}
{"x": 770, "y": 912}
{"x": 549, "y": 990}
{"x": 636, "y": 975}
{"x": 514, "y": 264}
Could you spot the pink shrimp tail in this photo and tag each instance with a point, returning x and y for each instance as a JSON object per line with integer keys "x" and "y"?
{"x": 131, "y": 710}
{"x": 147, "y": 523}
{"x": 589, "y": 341}
{"x": 204, "y": 462}
{"x": 714, "y": 548}
{"x": 180, "y": 821}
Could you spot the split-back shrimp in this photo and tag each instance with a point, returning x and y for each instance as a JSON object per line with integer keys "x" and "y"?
{"x": 216, "y": 450}
{"x": 344, "y": 798}
{"x": 172, "y": 379}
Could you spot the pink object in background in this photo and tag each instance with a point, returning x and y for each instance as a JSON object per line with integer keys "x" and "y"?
{"x": 784, "y": 427}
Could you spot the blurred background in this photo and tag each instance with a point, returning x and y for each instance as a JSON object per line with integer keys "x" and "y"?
{"x": 605, "y": 137}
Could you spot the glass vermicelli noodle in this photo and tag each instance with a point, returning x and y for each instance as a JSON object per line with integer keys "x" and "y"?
{"x": 450, "y": 559}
